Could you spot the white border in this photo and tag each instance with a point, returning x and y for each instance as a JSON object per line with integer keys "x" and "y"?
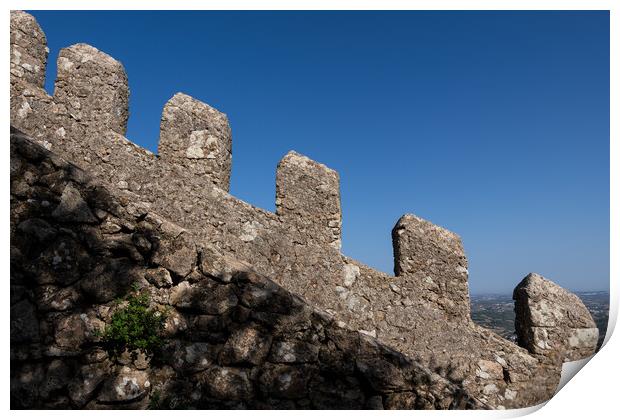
{"x": 592, "y": 395}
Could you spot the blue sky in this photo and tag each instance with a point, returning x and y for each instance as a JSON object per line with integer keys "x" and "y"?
{"x": 492, "y": 124}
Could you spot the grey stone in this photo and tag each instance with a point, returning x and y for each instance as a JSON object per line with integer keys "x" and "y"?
{"x": 552, "y": 321}
{"x": 175, "y": 323}
{"x": 400, "y": 401}
{"x": 382, "y": 375}
{"x": 436, "y": 256}
{"x": 62, "y": 262}
{"x": 53, "y": 298}
{"x": 247, "y": 345}
{"x": 284, "y": 381}
{"x": 109, "y": 280}
{"x": 308, "y": 198}
{"x": 178, "y": 255}
{"x": 93, "y": 87}
{"x": 227, "y": 383}
{"x": 28, "y": 49}
{"x": 126, "y": 386}
{"x": 293, "y": 352}
{"x": 159, "y": 277}
{"x": 165, "y": 212}
{"x": 197, "y": 137}
{"x": 206, "y": 297}
{"x": 73, "y": 208}
{"x": 194, "y": 357}
{"x": 71, "y": 332}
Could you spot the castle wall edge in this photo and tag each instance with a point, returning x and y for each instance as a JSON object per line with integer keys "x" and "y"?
{"x": 298, "y": 245}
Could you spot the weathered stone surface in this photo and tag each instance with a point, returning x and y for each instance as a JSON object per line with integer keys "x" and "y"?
{"x": 382, "y": 375}
{"x": 339, "y": 393}
{"x": 552, "y": 321}
{"x": 198, "y": 138}
{"x": 93, "y": 88}
{"x": 25, "y": 383}
{"x": 194, "y": 357}
{"x": 206, "y": 297}
{"x": 308, "y": 199}
{"x": 400, "y": 401}
{"x": 70, "y": 332}
{"x": 109, "y": 280}
{"x": 149, "y": 211}
{"x": 37, "y": 229}
{"x": 176, "y": 254}
{"x": 72, "y": 207}
{"x": 24, "y": 323}
{"x": 284, "y": 381}
{"x": 232, "y": 320}
{"x": 28, "y": 49}
{"x": 488, "y": 369}
{"x": 159, "y": 277}
{"x": 127, "y": 386}
{"x": 227, "y": 383}
{"x": 57, "y": 375}
{"x": 62, "y": 262}
{"x": 175, "y": 323}
{"x": 293, "y": 352}
{"x": 247, "y": 345}
{"x": 52, "y": 298}
{"x": 435, "y": 254}
{"x": 85, "y": 383}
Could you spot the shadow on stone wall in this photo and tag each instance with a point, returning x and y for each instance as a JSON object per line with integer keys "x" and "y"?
{"x": 232, "y": 338}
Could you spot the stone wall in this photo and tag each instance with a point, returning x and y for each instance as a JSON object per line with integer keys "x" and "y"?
{"x": 552, "y": 321}
{"x": 232, "y": 338}
{"x": 423, "y": 311}
{"x": 421, "y": 247}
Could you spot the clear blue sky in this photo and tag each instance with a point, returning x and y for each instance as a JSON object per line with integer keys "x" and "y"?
{"x": 492, "y": 124}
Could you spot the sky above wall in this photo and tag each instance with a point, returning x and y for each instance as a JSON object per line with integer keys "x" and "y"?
{"x": 494, "y": 125}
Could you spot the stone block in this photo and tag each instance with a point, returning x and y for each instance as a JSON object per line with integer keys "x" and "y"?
{"x": 552, "y": 321}
{"x": 93, "y": 87}
{"x": 248, "y": 345}
{"x": 197, "y": 137}
{"x": 28, "y": 49}
{"x": 436, "y": 257}
{"x": 308, "y": 199}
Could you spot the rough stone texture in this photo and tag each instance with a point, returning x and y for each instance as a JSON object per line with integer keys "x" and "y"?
{"x": 28, "y": 49}
{"x": 240, "y": 341}
{"x": 428, "y": 322}
{"x": 552, "y": 321}
{"x": 308, "y": 199}
{"x": 436, "y": 255}
{"x": 197, "y": 137}
{"x": 93, "y": 88}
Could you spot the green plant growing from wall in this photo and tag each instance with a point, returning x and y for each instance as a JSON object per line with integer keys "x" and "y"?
{"x": 134, "y": 327}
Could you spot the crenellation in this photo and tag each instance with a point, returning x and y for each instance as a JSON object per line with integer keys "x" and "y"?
{"x": 436, "y": 257}
{"x": 424, "y": 306}
{"x": 93, "y": 87}
{"x": 197, "y": 137}
{"x": 308, "y": 198}
{"x": 551, "y": 321}
{"x": 28, "y": 49}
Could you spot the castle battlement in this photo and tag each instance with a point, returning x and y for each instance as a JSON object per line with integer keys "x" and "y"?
{"x": 86, "y": 119}
{"x": 423, "y": 307}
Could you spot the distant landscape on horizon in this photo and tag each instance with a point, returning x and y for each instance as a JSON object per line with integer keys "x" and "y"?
{"x": 496, "y": 312}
